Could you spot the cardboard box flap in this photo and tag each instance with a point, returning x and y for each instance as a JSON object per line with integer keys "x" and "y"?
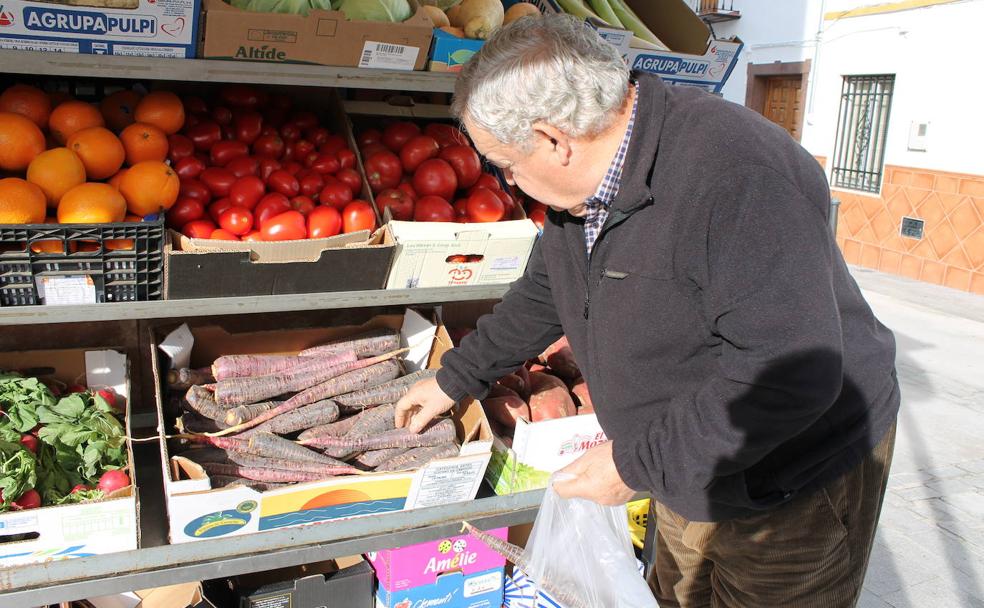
{"x": 450, "y": 231}
{"x": 398, "y": 106}
{"x": 675, "y": 23}
{"x": 306, "y": 250}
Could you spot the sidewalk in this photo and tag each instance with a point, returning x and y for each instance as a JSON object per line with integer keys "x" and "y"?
{"x": 929, "y": 551}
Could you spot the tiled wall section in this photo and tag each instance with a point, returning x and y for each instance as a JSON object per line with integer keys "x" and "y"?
{"x": 951, "y": 251}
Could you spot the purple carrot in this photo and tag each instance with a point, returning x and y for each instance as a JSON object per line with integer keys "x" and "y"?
{"x": 418, "y": 457}
{"x": 223, "y": 443}
{"x": 242, "y": 413}
{"x": 389, "y": 392}
{"x": 275, "y": 446}
{"x": 373, "y": 422}
{"x": 373, "y": 458}
{"x": 335, "y": 429}
{"x": 200, "y": 401}
{"x": 323, "y": 468}
{"x": 223, "y": 481}
{"x": 361, "y": 374}
{"x": 369, "y": 344}
{"x": 261, "y": 474}
{"x": 305, "y": 417}
{"x": 437, "y": 434}
{"x": 244, "y": 366}
{"x": 183, "y": 378}
{"x": 253, "y": 389}
{"x": 190, "y": 422}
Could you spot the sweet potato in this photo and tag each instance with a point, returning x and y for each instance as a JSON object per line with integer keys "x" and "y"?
{"x": 549, "y": 398}
{"x": 519, "y": 382}
{"x": 583, "y": 398}
{"x": 563, "y": 365}
{"x": 556, "y": 346}
{"x": 506, "y": 407}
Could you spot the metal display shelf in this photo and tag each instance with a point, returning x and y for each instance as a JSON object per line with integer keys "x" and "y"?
{"x": 52, "y": 582}
{"x": 165, "y": 309}
{"x": 211, "y": 70}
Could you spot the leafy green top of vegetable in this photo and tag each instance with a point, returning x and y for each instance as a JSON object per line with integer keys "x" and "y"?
{"x": 86, "y": 436}
{"x": 19, "y": 400}
{"x": 18, "y": 472}
{"x": 393, "y": 11}
{"x": 291, "y": 7}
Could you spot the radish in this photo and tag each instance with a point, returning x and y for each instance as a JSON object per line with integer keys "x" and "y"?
{"x": 28, "y": 500}
{"x": 110, "y": 481}
{"x": 74, "y": 388}
{"x": 80, "y": 488}
{"x": 110, "y": 396}
{"x": 30, "y": 442}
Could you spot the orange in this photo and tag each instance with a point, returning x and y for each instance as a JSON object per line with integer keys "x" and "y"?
{"x": 149, "y": 187}
{"x": 20, "y": 141}
{"x": 117, "y": 108}
{"x": 162, "y": 109}
{"x": 123, "y": 244}
{"x": 72, "y": 116}
{"x": 91, "y": 203}
{"x": 116, "y": 179}
{"x": 49, "y": 246}
{"x": 21, "y": 202}
{"x": 101, "y": 152}
{"x": 56, "y": 171}
{"x": 28, "y": 101}
{"x": 144, "y": 142}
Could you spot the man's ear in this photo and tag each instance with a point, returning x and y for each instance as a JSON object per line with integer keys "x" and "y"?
{"x": 557, "y": 142}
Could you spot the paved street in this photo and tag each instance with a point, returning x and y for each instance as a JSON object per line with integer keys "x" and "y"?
{"x": 929, "y": 551}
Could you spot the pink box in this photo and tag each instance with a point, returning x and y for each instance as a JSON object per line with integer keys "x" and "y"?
{"x": 420, "y": 565}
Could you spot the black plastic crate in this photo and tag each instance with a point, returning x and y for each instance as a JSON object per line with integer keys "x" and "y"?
{"x": 117, "y": 275}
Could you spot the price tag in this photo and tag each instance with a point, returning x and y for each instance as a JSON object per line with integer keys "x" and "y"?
{"x": 65, "y": 291}
{"x": 388, "y": 56}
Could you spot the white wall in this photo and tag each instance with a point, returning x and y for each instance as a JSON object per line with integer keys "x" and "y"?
{"x": 936, "y": 58}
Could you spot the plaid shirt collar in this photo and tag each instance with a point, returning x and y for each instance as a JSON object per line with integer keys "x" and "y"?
{"x": 597, "y": 205}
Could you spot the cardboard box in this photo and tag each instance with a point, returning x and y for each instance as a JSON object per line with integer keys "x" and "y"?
{"x": 441, "y": 254}
{"x": 196, "y": 511}
{"x": 539, "y": 449}
{"x": 459, "y": 571}
{"x": 449, "y": 53}
{"x": 346, "y": 582}
{"x": 149, "y": 28}
{"x": 523, "y": 592}
{"x": 321, "y": 37}
{"x": 79, "y": 530}
{"x": 185, "y": 595}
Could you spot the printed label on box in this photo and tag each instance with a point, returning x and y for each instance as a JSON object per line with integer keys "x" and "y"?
{"x": 480, "y": 585}
{"x": 65, "y": 291}
{"x": 282, "y": 600}
{"x": 388, "y": 56}
{"x": 442, "y": 484}
{"x": 50, "y": 46}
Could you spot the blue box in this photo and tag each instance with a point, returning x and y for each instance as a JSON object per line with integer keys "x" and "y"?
{"x": 145, "y": 28}
{"x": 449, "y": 53}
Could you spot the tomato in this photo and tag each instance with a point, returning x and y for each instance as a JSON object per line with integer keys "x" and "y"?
{"x": 399, "y": 133}
{"x": 193, "y": 188}
{"x": 538, "y": 216}
{"x": 189, "y": 167}
{"x": 433, "y": 209}
{"x": 311, "y": 184}
{"x": 290, "y": 132}
{"x": 248, "y": 124}
{"x": 371, "y": 149}
{"x": 269, "y": 145}
{"x": 224, "y": 151}
{"x": 336, "y": 194}
{"x": 435, "y": 177}
{"x": 485, "y": 206}
{"x": 318, "y": 136}
{"x": 221, "y": 115}
{"x": 446, "y": 135}
{"x": 302, "y": 148}
{"x": 270, "y": 205}
{"x": 194, "y": 105}
{"x": 304, "y": 204}
{"x": 198, "y": 229}
{"x": 350, "y": 178}
{"x": 252, "y": 236}
{"x": 191, "y": 120}
{"x": 240, "y": 96}
{"x": 323, "y": 222}
{"x": 304, "y": 119}
{"x": 281, "y": 102}
{"x": 398, "y": 202}
{"x": 309, "y": 160}
{"x": 236, "y": 220}
{"x": 346, "y": 158}
{"x": 222, "y": 235}
{"x": 461, "y": 210}
{"x": 383, "y": 170}
{"x": 178, "y": 147}
{"x": 243, "y": 166}
{"x": 217, "y": 208}
{"x": 287, "y": 226}
{"x": 284, "y": 182}
{"x": 358, "y": 215}
{"x": 204, "y": 135}
{"x": 507, "y": 202}
{"x": 268, "y": 166}
{"x": 465, "y": 162}
{"x": 417, "y": 150}
{"x": 327, "y": 163}
{"x": 408, "y": 188}
{"x": 183, "y": 211}
{"x": 369, "y": 136}
{"x": 268, "y": 129}
{"x": 486, "y": 180}
{"x": 246, "y": 192}
{"x": 218, "y": 180}
{"x": 333, "y": 144}
{"x": 293, "y": 167}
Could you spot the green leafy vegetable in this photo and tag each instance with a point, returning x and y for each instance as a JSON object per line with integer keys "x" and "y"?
{"x": 292, "y": 7}
{"x": 77, "y": 497}
{"x": 54, "y": 481}
{"x": 19, "y": 400}
{"x": 18, "y": 472}
{"x": 393, "y": 11}
{"x": 86, "y": 436}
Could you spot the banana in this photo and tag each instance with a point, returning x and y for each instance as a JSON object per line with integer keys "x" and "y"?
{"x": 605, "y": 11}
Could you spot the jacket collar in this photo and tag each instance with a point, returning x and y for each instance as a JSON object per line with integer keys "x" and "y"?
{"x": 634, "y": 190}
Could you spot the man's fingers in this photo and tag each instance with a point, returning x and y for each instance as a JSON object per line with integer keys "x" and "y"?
{"x": 420, "y": 418}
{"x": 404, "y": 407}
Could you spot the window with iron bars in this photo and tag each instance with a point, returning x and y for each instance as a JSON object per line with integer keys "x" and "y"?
{"x": 862, "y": 127}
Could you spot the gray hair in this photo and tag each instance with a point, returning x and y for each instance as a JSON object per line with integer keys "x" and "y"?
{"x": 552, "y": 69}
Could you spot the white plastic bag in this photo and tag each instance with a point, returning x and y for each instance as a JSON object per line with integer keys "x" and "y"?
{"x": 580, "y": 553}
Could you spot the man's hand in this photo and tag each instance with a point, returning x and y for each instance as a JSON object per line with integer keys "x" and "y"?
{"x": 595, "y": 478}
{"x": 422, "y": 403}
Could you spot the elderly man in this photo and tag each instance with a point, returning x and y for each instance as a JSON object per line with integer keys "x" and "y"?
{"x": 735, "y": 366}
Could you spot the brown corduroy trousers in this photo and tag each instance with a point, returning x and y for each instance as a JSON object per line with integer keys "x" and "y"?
{"x": 809, "y": 553}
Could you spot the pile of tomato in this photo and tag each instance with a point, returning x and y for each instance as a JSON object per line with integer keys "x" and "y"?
{"x": 431, "y": 174}
{"x": 254, "y": 168}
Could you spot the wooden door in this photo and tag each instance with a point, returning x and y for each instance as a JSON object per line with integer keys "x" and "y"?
{"x": 784, "y": 103}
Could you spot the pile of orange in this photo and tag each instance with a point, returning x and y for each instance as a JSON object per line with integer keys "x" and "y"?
{"x": 70, "y": 161}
